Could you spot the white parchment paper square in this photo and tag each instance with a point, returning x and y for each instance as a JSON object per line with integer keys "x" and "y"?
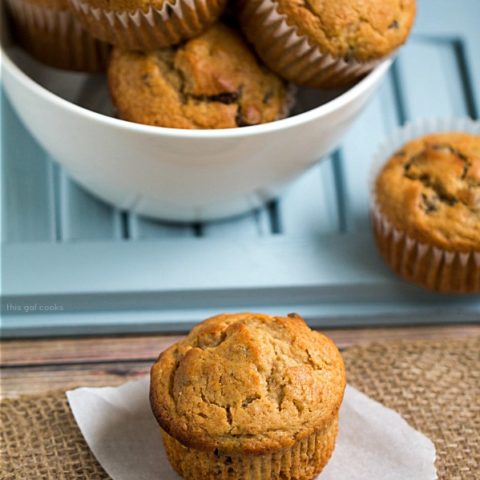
{"x": 374, "y": 442}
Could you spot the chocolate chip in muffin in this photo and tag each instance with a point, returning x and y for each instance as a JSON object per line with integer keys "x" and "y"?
{"x": 225, "y": 97}
{"x": 394, "y": 25}
{"x": 428, "y": 203}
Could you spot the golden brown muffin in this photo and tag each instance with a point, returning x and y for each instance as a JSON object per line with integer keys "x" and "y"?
{"x": 249, "y": 396}
{"x": 325, "y": 43}
{"x": 212, "y": 81}
{"x": 147, "y": 24}
{"x": 363, "y": 31}
{"x": 51, "y": 34}
{"x": 429, "y": 192}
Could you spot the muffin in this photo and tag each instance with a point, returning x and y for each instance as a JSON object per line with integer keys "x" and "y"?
{"x": 52, "y": 35}
{"x": 426, "y": 205}
{"x": 211, "y": 81}
{"x": 249, "y": 396}
{"x": 327, "y": 43}
{"x": 147, "y": 24}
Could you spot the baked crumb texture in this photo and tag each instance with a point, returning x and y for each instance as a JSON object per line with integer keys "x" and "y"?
{"x": 363, "y": 31}
{"x": 249, "y": 396}
{"x": 212, "y": 81}
{"x": 321, "y": 43}
{"x": 427, "y": 211}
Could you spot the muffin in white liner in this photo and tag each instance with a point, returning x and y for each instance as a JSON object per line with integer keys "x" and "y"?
{"x": 286, "y": 45}
{"x": 52, "y": 35}
{"x": 428, "y": 257}
{"x": 159, "y": 25}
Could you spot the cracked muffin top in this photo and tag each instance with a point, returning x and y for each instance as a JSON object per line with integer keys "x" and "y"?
{"x": 247, "y": 383}
{"x": 430, "y": 189}
{"x": 211, "y": 81}
{"x": 351, "y": 29}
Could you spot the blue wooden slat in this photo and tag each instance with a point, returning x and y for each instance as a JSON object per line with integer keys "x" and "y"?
{"x": 456, "y": 21}
{"x": 357, "y": 150}
{"x": 27, "y": 178}
{"x": 309, "y": 206}
{"x": 328, "y": 277}
{"x": 252, "y": 225}
{"x": 431, "y": 80}
{"x": 83, "y": 216}
{"x": 144, "y": 228}
{"x": 326, "y": 315}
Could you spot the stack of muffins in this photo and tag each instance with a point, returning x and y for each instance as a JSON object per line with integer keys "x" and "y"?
{"x": 176, "y": 63}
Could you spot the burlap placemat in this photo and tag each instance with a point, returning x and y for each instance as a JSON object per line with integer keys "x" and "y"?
{"x": 434, "y": 385}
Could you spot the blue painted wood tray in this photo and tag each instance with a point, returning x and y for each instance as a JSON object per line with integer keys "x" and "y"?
{"x": 71, "y": 264}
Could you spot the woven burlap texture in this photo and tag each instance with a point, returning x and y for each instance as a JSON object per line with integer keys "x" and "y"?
{"x": 434, "y": 385}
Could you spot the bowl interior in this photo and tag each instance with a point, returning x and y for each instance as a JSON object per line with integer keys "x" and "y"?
{"x": 90, "y": 91}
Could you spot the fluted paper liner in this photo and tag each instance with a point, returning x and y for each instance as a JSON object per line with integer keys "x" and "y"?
{"x": 57, "y": 38}
{"x": 425, "y": 264}
{"x": 305, "y": 459}
{"x": 290, "y": 54}
{"x": 150, "y": 28}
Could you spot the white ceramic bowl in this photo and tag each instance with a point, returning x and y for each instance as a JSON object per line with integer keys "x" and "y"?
{"x": 173, "y": 174}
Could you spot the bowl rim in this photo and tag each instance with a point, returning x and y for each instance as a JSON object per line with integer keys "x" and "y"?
{"x": 8, "y": 64}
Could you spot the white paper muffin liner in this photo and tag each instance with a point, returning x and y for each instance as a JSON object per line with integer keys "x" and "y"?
{"x": 57, "y": 38}
{"x": 151, "y": 28}
{"x": 425, "y": 264}
{"x": 306, "y": 458}
{"x": 290, "y": 54}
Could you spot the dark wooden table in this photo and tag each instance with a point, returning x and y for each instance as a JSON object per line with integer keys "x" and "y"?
{"x": 33, "y": 366}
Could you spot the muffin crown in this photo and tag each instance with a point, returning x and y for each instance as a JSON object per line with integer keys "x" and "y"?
{"x": 430, "y": 189}
{"x": 211, "y": 81}
{"x": 247, "y": 383}
{"x": 363, "y": 31}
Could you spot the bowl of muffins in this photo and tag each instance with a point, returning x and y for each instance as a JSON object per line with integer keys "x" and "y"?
{"x": 189, "y": 110}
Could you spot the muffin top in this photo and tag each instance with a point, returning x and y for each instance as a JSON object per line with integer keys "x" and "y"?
{"x": 430, "y": 189}
{"x": 211, "y": 81}
{"x": 351, "y": 29}
{"x": 247, "y": 383}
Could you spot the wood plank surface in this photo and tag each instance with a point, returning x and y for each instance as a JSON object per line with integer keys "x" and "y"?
{"x": 36, "y": 366}
{"x": 39, "y": 379}
{"x": 80, "y": 350}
